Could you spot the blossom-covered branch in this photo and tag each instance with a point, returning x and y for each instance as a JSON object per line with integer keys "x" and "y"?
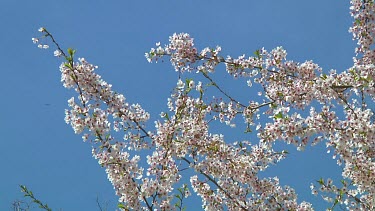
{"x": 225, "y": 173}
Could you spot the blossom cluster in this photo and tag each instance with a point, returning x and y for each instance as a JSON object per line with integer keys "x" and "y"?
{"x": 363, "y": 28}
{"x": 290, "y": 87}
{"x": 226, "y": 173}
{"x": 96, "y": 103}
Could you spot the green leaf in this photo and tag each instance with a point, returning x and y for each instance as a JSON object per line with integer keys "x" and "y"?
{"x": 203, "y": 107}
{"x": 285, "y": 152}
{"x": 273, "y": 105}
{"x": 200, "y": 94}
{"x": 73, "y": 77}
{"x": 321, "y": 181}
{"x": 257, "y": 53}
{"x": 166, "y": 116}
{"x": 71, "y": 52}
{"x": 121, "y": 206}
{"x": 68, "y": 65}
{"x": 278, "y": 116}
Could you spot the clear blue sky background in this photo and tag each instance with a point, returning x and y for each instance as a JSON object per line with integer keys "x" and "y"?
{"x": 40, "y": 151}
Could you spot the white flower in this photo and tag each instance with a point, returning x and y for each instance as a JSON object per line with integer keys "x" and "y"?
{"x": 199, "y": 86}
{"x": 35, "y": 40}
{"x": 41, "y": 29}
{"x": 249, "y": 83}
{"x": 180, "y": 84}
{"x": 57, "y": 53}
{"x": 191, "y": 84}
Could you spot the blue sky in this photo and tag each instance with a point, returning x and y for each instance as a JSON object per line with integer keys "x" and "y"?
{"x": 40, "y": 151}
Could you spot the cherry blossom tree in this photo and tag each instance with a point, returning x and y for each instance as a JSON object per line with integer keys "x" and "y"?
{"x": 225, "y": 173}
